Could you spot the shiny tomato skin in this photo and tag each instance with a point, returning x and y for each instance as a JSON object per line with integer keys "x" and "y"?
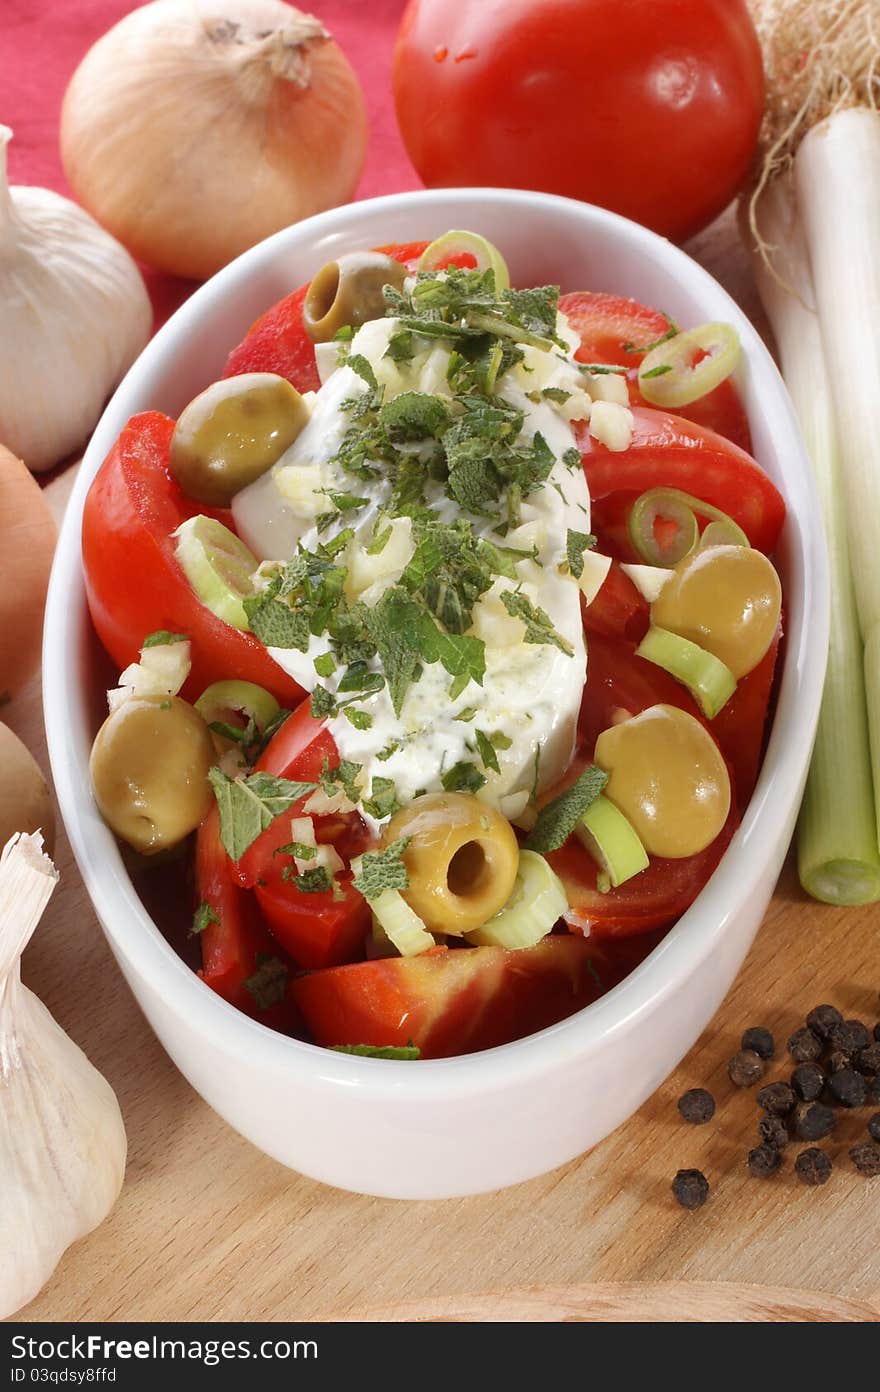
{"x": 231, "y": 948}
{"x": 667, "y": 451}
{"x": 617, "y": 330}
{"x": 455, "y": 1001}
{"x": 618, "y": 610}
{"x": 278, "y": 342}
{"x": 133, "y": 582}
{"x": 650, "y": 109}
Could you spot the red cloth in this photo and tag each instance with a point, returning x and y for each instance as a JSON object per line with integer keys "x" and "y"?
{"x": 42, "y": 41}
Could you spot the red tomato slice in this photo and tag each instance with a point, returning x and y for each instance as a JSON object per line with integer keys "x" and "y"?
{"x": 613, "y": 329}
{"x": 667, "y": 451}
{"x": 740, "y": 727}
{"x": 453, "y": 1002}
{"x": 133, "y": 582}
{"x": 618, "y": 610}
{"x": 232, "y": 947}
{"x": 277, "y": 341}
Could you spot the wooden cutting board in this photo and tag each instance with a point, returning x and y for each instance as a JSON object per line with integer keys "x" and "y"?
{"x": 208, "y": 1228}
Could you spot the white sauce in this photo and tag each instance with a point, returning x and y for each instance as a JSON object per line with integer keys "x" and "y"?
{"x": 531, "y": 693}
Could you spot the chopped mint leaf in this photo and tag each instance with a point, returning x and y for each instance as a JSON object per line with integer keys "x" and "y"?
{"x": 467, "y": 714}
{"x": 487, "y": 751}
{"x": 315, "y": 881}
{"x": 360, "y": 719}
{"x": 664, "y": 338}
{"x": 343, "y": 778}
{"x": 414, "y": 416}
{"x": 358, "y": 677}
{"x": 401, "y": 346}
{"x": 323, "y": 704}
{"x": 161, "y": 637}
{"x": 535, "y": 309}
{"x": 383, "y": 801}
{"x": 269, "y": 982}
{"x": 325, "y": 665}
{"x": 539, "y": 627}
{"x": 571, "y": 458}
{"x": 381, "y": 870}
{"x": 385, "y": 754}
{"x": 344, "y": 334}
{"x": 463, "y": 778}
{"x": 576, "y": 543}
{"x": 603, "y": 369}
{"x": 346, "y": 502}
{"x": 380, "y": 1051}
{"x": 463, "y": 656}
{"x": 298, "y": 849}
{"x": 656, "y": 371}
{"x": 359, "y": 364}
{"x": 381, "y": 537}
{"x": 249, "y": 805}
{"x": 203, "y": 915}
{"x": 393, "y": 626}
{"x": 559, "y": 818}
{"x": 500, "y": 741}
{"x": 556, "y": 394}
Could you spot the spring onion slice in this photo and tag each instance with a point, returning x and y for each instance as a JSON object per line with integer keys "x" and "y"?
{"x": 723, "y": 533}
{"x": 665, "y": 506}
{"x": 218, "y": 566}
{"x": 452, "y": 245}
{"x": 837, "y": 849}
{"x": 709, "y": 681}
{"x": 221, "y": 698}
{"x": 687, "y": 366}
{"x": 401, "y": 924}
{"x": 536, "y": 902}
{"x": 612, "y": 841}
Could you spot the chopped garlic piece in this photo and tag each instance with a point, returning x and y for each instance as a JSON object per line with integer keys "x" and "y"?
{"x": 611, "y": 424}
{"x": 161, "y": 671}
{"x": 608, "y": 386}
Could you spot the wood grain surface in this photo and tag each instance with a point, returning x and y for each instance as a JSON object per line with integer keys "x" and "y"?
{"x": 208, "y": 1228}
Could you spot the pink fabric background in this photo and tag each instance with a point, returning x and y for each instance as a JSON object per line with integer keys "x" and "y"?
{"x": 42, "y": 41}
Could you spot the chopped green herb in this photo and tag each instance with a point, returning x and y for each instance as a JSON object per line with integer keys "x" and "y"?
{"x": 576, "y": 543}
{"x": 161, "y": 637}
{"x": 500, "y": 741}
{"x": 358, "y": 677}
{"x": 463, "y": 778}
{"x": 401, "y": 346}
{"x": 487, "y": 751}
{"x": 269, "y": 982}
{"x": 380, "y": 1051}
{"x": 360, "y": 719}
{"x": 671, "y": 332}
{"x": 385, "y": 754}
{"x": 559, "y": 818}
{"x": 467, "y": 714}
{"x": 323, "y": 704}
{"x": 381, "y": 870}
{"x": 248, "y": 806}
{"x": 539, "y": 628}
{"x": 604, "y": 369}
{"x": 414, "y": 416}
{"x": 298, "y": 849}
{"x": 203, "y": 915}
{"x": 556, "y": 394}
{"x": 656, "y": 371}
{"x": 325, "y": 665}
{"x": 381, "y": 537}
{"x": 315, "y": 881}
{"x": 383, "y": 801}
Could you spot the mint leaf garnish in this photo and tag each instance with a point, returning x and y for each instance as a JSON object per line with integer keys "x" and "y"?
{"x": 381, "y": 870}
{"x": 559, "y": 818}
{"x": 249, "y": 805}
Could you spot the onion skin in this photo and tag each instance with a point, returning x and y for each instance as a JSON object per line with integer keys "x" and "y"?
{"x": 29, "y": 533}
{"x": 191, "y": 139}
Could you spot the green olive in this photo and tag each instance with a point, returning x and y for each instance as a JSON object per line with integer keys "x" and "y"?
{"x": 666, "y": 774}
{"x": 461, "y": 861}
{"x": 232, "y": 433}
{"x": 348, "y": 291}
{"x": 727, "y": 599}
{"x": 149, "y": 769}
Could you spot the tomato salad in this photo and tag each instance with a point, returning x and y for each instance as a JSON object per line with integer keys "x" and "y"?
{"x": 447, "y": 632}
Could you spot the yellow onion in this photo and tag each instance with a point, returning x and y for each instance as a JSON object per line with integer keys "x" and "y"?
{"x": 194, "y": 128}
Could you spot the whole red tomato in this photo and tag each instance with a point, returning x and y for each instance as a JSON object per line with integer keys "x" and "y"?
{"x": 648, "y": 107}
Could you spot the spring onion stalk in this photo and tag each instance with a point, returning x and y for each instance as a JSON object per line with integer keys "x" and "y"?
{"x": 838, "y": 859}
{"x": 816, "y": 215}
{"x": 707, "y": 678}
{"x": 612, "y": 841}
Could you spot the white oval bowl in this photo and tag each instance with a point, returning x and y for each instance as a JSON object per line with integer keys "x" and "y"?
{"x": 465, "y": 1125}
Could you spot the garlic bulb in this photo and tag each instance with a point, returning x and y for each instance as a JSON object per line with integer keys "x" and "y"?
{"x": 74, "y": 314}
{"x": 194, "y": 128}
{"x": 62, "y": 1141}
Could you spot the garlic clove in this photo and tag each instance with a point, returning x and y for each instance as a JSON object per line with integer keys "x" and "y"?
{"x": 62, "y": 1139}
{"x": 75, "y": 316}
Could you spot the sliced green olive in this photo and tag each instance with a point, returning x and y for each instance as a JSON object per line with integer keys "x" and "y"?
{"x": 667, "y": 776}
{"x": 348, "y": 292}
{"x": 461, "y": 861}
{"x": 727, "y": 599}
{"x": 684, "y": 368}
{"x": 232, "y": 433}
{"x": 149, "y": 769}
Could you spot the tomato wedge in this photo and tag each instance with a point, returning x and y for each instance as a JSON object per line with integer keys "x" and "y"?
{"x": 670, "y": 452}
{"x": 277, "y": 341}
{"x": 133, "y": 582}
{"x": 453, "y": 1002}
{"x": 232, "y": 947}
{"x": 616, "y": 330}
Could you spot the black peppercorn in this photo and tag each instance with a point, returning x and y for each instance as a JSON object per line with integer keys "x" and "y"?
{"x": 822, "y": 1017}
{"x": 836, "y": 1060}
{"x": 808, "y": 1081}
{"x": 764, "y": 1160}
{"x": 759, "y": 1040}
{"x": 868, "y": 1060}
{"x": 866, "y": 1158}
{"x": 697, "y": 1106}
{"x": 745, "y": 1068}
{"x": 690, "y": 1188}
{"x": 774, "y": 1131}
{"x": 813, "y": 1166}
{"x": 874, "y": 1090}
{"x": 874, "y": 1126}
{"x": 776, "y": 1098}
{"x": 805, "y": 1046}
{"x": 813, "y": 1120}
{"x": 849, "y": 1036}
{"x": 848, "y": 1088}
